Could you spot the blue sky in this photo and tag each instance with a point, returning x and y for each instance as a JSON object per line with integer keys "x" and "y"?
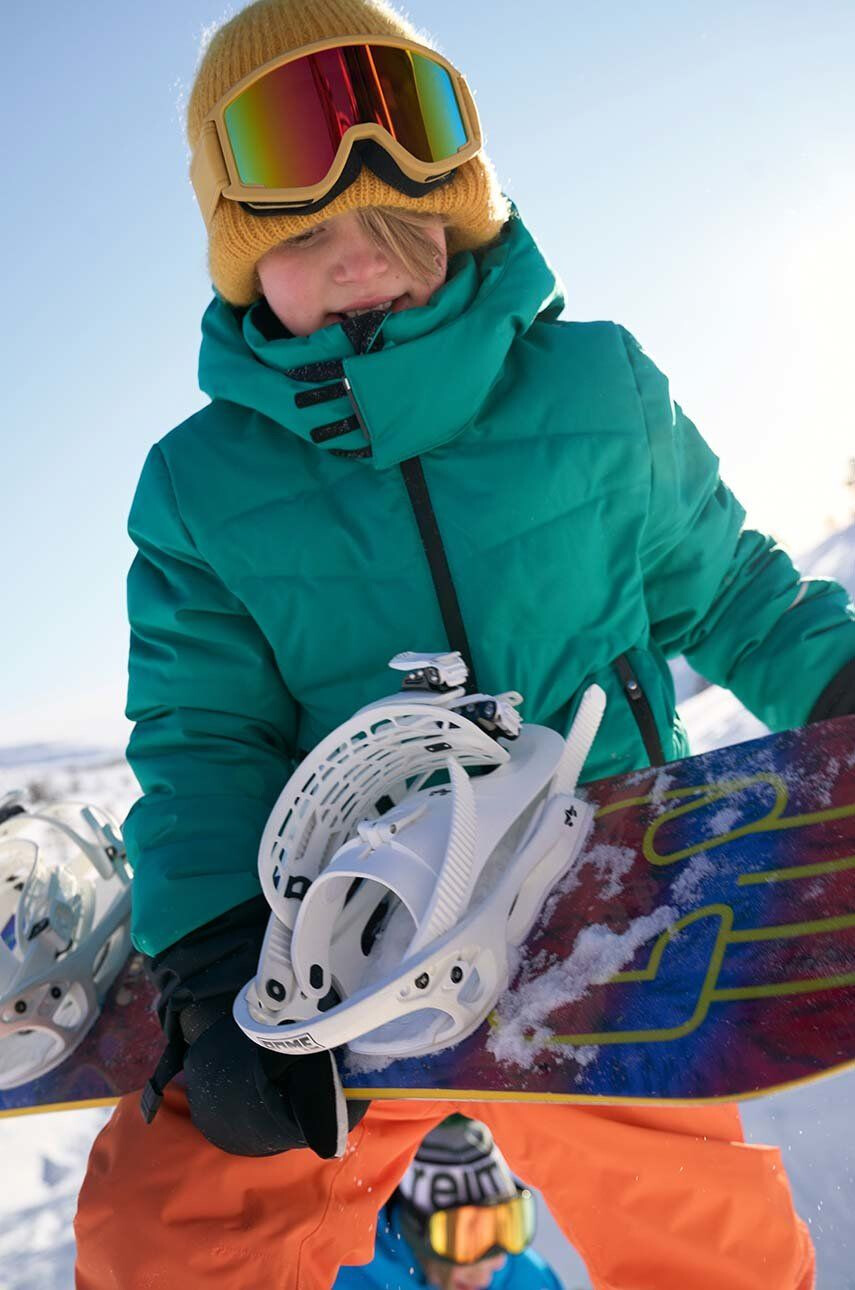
{"x": 688, "y": 173}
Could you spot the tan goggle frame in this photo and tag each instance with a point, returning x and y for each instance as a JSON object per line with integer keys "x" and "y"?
{"x": 214, "y": 173}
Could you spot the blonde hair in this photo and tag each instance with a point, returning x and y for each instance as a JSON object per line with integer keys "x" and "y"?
{"x": 402, "y": 234}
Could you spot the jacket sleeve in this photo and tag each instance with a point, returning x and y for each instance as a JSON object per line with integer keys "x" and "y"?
{"x": 215, "y": 727}
{"x": 727, "y": 597}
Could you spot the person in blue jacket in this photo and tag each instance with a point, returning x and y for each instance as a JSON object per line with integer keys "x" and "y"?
{"x": 457, "y": 1221}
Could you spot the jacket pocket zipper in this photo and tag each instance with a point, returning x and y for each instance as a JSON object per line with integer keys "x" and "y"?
{"x": 641, "y": 711}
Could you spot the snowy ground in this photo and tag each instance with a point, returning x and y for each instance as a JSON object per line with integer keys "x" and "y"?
{"x": 44, "y": 1155}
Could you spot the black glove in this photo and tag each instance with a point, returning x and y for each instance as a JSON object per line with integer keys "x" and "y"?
{"x": 244, "y": 1099}
{"x": 838, "y": 697}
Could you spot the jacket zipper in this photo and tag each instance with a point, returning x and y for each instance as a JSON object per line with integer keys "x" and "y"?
{"x": 415, "y": 483}
{"x": 413, "y": 475}
{"x": 641, "y": 710}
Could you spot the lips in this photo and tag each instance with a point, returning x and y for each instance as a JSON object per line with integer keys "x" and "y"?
{"x": 355, "y": 310}
{"x": 393, "y": 304}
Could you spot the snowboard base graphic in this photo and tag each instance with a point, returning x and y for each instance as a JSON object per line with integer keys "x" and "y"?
{"x": 117, "y": 1055}
{"x": 702, "y": 948}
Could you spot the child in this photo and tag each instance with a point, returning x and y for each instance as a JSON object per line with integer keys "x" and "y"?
{"x": 454, "y": 468}
{"x": 457, "y": 1221}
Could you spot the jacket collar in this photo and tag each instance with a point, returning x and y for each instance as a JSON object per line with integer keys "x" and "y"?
{"x": 434, "y": 371}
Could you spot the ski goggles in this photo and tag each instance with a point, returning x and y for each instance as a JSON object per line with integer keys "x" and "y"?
{"x": 283, "y": 135}
{"x": 468, "y": 1233}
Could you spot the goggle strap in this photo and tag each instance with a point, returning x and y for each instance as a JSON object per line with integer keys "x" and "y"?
{"x": 211, "y": 177}
{"x": 208, "y": 173}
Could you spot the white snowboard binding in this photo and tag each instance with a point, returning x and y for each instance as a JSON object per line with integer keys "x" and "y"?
{"x": 394, "y": 932}
{"x": 65, "y": 908}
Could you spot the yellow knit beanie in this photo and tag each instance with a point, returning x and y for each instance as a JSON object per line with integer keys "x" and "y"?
{"x": 471, "y": 201}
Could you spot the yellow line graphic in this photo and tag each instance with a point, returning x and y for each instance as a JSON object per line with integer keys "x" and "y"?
{"x": 692, "y": 799}
{"x": 797, "y": 871}
{"x": 703, "y": 795}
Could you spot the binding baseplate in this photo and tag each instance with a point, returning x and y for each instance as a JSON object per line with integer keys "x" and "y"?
{"x": 393, "y": 930}
{"x": 65, "y": 907}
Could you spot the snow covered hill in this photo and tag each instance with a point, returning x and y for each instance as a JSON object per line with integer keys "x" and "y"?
{"x": 44, "y": 1155}
{"x": 833, "y": 558}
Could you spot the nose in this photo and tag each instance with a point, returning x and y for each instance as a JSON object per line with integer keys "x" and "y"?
{"x": 358, "y": 258}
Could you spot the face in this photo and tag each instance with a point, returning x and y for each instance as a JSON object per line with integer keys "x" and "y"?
{"x": 312, "y": 280}
{"x": 472, "y": 1276}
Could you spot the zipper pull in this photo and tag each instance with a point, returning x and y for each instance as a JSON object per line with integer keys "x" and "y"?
{"x": 628, "y": 678}
{"x": 348, "y": 389}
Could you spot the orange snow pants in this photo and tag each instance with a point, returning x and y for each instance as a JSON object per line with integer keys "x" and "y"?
{"x": 652, "y": 1198}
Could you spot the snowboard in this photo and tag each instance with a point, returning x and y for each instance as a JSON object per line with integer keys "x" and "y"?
{"x": 701, "y": 948}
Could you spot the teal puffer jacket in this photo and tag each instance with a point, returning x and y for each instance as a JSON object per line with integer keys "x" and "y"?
{"x": 396, "y": 1267}
{"x": 585, "y": 528}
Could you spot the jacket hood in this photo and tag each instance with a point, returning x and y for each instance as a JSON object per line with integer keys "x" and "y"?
{"x": 434, "y": 370}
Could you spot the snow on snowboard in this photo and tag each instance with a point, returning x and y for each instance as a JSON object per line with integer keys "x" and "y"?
{"x": 701, "y": 947}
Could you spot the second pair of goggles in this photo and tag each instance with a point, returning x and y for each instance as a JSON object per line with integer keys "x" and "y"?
{"x": 281, "y": 137}
{"x": 468, "y": 1233}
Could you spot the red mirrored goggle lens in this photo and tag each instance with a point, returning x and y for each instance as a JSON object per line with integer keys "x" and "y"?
{"x": 470, "y": 1232}
{"x": 286, "y": 128}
